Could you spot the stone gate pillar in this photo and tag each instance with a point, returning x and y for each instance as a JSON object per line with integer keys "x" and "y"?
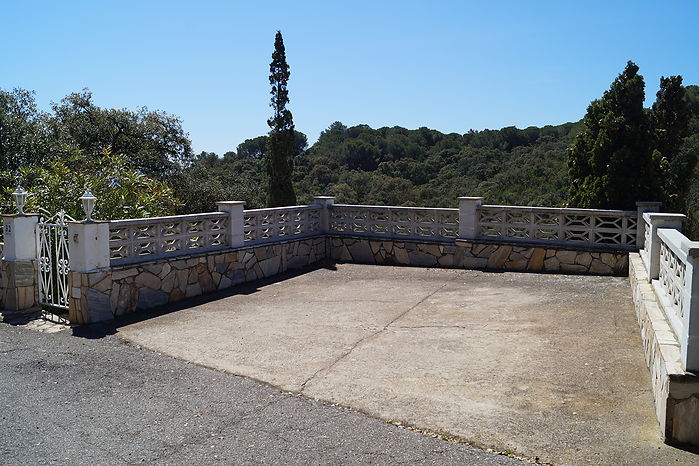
{"x": 19, "y": 288}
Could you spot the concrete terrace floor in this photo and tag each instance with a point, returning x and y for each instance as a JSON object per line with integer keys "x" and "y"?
{"x": 549, "y": 366}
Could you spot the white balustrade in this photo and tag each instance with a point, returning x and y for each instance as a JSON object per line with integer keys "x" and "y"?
{"x": 395, "y": 222}
{"x": 671, "y": 278}
{"x": 617, "y": 228}
{"x": 677, "y": 290}
{"x": 281, "y": 223}
{"x": 143, "y": 239}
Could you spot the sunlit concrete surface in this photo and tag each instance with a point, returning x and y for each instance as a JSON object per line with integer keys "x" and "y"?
{"x": 549, "y": 366}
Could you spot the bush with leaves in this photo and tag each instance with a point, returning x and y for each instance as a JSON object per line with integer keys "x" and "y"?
{"x": 121, "y": 190}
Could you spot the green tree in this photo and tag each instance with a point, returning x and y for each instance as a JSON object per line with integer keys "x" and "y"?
{"x": 24, "y": 136}
{"x": 256, "y": 148}
{"x": 610, "y": 163}
{"x": 153, "y": 141}
{"x": 122, "y": 191}
{"x": 670, "y": 116}
{"x": 280, "y": 145}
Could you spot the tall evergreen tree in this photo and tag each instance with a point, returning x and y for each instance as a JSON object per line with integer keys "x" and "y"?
{"x": 279, "y": 157}
{"x": 670, "y": 117}
{"x": 610, "y": 162}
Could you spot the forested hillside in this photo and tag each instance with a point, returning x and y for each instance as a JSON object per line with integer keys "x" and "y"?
{"x": 425, "y": 167}
{"x": 59, "y": 152}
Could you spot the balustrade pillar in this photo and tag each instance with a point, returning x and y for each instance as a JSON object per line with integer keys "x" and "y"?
{"x": 641, "y": 208}
{"x": 18, "y": 269}
{"x": 325, "y": 202}
{"x": 236, "y": 221}
{"x": 88, "y": 246}
{"x": 469, "y": 227}
{"x": 652, "y": 250}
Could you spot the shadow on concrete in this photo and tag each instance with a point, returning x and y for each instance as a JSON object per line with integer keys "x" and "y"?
{"x": 102, "y": 329}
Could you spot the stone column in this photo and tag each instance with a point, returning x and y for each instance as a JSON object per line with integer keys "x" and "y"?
{"x": 19, "y": 288}
{"x": 325, "y": 202}
{"x": 88, "y": 244}
{"x": 236, "y": 221}
{"x": 653, "y": 249}
{"x": 641, "y": 207}
{"x": 689, "y": 340}
{"x": 468, "y": 217}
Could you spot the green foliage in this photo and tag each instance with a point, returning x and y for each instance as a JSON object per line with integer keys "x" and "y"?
{"x": 211, "y": 179}
{"x": 122, "y": 191}
{"x": 675, "y": 164}
{"x": 281, "y": 142}
{"x": 25, "y": 139}
{"x": 153, "y": 141}
{"x": 425, "y": 167}
{"x": 610, "y": 163}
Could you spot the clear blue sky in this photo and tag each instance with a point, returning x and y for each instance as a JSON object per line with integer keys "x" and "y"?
{"x": 451, "y": 66}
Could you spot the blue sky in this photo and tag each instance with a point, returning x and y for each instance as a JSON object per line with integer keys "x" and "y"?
{"x": 451, "y": 66}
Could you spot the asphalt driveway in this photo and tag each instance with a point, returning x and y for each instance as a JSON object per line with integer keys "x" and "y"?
{"x": 95, "y": 399}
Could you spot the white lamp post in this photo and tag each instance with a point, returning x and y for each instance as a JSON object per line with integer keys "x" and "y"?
{"x": 88, "y": 201}
{"x": 20, "y": 196}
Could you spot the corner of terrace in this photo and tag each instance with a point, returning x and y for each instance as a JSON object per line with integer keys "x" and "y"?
{"x": 96, "y": 271}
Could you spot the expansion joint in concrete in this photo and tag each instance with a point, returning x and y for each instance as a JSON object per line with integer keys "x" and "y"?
{"x": 370, "y": 336}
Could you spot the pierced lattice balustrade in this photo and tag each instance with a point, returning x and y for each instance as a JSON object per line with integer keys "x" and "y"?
{"x": 616, "y": 228}
{"x": 142, "y": 239}
{"x": 395, "y": 222}
{"x": 280, "y": 223}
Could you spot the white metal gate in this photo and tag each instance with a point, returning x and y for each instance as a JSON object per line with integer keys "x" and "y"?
{"x": 54, "y": 261}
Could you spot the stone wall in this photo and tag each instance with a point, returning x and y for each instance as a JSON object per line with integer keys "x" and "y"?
{"x": 676, "y": 393}
{"x": 18, "y": 285}
{"x": 478, "y": 255}
{"x": 106, "y": 294}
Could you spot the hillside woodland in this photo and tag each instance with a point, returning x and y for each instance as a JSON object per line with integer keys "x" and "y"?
{"x": 77, "y": 144}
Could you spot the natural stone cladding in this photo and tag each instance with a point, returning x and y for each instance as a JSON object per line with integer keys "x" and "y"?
{"x": 675, "y": 391}
{"x": 106, "y": 294}
{"x": 18, "y": 283}
{"x": 479, "y": 255}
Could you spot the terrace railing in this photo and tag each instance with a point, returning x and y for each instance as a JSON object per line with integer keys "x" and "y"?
{"x": 671, "y": 284}
{"x": 395, "y": 222}
{"x": 281, "y": 223}
{"x": 672, "y": 261}
{"x": 144, "y": 239}
{"x": 585, "y": 227}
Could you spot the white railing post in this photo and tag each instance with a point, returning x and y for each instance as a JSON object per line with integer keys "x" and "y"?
{"x": 18, "y": 282}
{"x": 325, "y": 202}
{"x": 653, "y": 249}
{"x": 88, "y": 246}
{"x": 690, "y": 329}
{"x": 468, "y": 217}
{"x": 641, "y": 208}
{"x": 236, "y": 221}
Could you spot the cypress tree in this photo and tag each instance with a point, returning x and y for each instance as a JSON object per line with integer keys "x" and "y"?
{"x": 279, "y": 158}
{"x": 610, "y": 162}
{"x": 670, "y": 117}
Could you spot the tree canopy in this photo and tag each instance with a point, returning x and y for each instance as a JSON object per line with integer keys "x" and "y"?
{"x": 610, "y": 162}
{"x": 282, "y": 137}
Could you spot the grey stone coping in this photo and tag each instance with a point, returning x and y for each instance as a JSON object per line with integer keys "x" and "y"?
{"x": 395, "y": 239}
{"x": 615, "y": 248}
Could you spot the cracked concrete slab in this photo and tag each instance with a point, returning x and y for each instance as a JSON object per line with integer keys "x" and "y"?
{"x": 546, "y": 365}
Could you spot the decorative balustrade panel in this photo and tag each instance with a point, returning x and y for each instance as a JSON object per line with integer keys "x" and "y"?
{"x": 672, "y": 278}
{"x": 264, "y": 225}
{"x": 143, "y": 239}
{"x": 540, "y": 224}
{"x": 395, "y": 222}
